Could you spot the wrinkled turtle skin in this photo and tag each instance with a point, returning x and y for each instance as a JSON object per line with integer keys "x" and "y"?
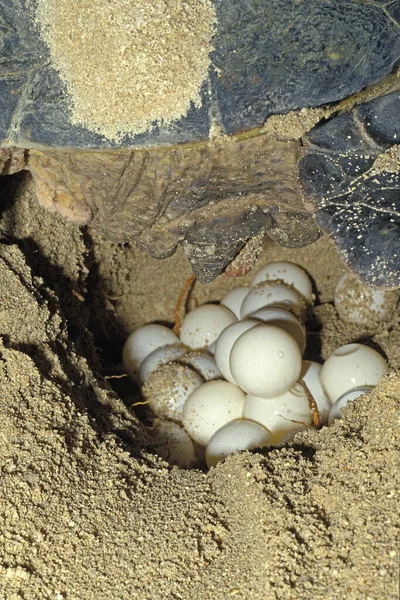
{"x": 212, "y": 192}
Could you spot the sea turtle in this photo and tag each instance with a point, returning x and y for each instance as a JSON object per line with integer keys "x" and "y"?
{"x": 225, "y": 170}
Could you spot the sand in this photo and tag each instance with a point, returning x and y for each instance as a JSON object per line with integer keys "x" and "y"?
{"x": 128, "y": 64}
{"x": 88, "y": 511}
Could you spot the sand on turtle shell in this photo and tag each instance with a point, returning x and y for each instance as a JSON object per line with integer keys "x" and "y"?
{"x": 87, "y": 511}
{"x": 127, "y": 64}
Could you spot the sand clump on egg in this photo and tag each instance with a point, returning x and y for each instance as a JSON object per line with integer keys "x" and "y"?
{"x": 358, "y": 303}
{"x": 147, "y": 66}
{"x": 167, "y": 388}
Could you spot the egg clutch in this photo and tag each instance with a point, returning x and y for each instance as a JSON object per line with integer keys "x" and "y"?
{"x": 235, "y": 378}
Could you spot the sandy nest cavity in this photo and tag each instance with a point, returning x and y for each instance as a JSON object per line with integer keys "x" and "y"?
{"x": 88, "y": 511}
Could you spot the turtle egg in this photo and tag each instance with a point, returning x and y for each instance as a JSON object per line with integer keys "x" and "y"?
{"x": 233, "y": 300}
{"x": 282, "y": 414}
{"x": 350, "y": 366}
{"x": 361, "y": 304}
{"x": 311, "y": 375}
{"x": 142, "y": 342}
{"x": 167, "y": 389}
{"x": 265, "y": 361}
{"x": 202, "y": 326}
{"x": 211, "y": 348}
{"x": 172, "y": 443}
{"x": 210, "y": 407}
{"x": 203, "y": 364}
{"x": 284, "y": 319}
{"x": 225, "y": 342}
{"x": 287, "y": 272}
{"x": 337, "y": 408}
{"x": 236, "y": 435}
{"x": 159, "y": 357}
{"x": 267, "y": 294}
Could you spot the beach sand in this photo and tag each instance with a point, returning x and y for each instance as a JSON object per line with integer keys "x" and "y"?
{"x": 88, "y": 511}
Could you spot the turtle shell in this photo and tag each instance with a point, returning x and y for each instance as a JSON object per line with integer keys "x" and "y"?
{"x": 268, "y": 58}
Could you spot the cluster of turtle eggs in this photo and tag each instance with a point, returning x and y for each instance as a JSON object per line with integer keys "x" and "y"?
{"x": 235, "y": 378}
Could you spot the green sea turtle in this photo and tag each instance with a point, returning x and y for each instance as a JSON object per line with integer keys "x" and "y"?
{"x": 224, "y": 170}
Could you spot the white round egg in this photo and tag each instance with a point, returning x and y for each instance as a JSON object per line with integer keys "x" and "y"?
{"x": 202, "y": 326}
{"x": 287, "y": 272}
{"x": 203, "y": 364}
{"x": 142, "y": 342}
{"x": 311, "y": 375}
{"x": 167, "y": 388}
{"x": 172, "y": 443}
{"x": 236, "y": 435}
{"x": 358, "y": 303}
{"x": 282, "y": 414}
{"x": 267, "y": 294}
{"x": 158, "y": 357}
{"x": 233, "y": 300}
{"x": 210, "y": 407}
{"x": 284, "y": 319}
{"x": 337, "y": 408}
{"x": 225, "y": 342}
{"x": 265, "y": 361}
{"x": 350, "y": 366}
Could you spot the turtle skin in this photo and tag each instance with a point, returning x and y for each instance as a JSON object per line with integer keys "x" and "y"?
{"x": 351, "y": 172}
{"x": 182, "y": 183}
{"x": 212, "y": 198}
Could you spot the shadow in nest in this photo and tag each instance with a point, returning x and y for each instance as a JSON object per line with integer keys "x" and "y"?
{"x": 89, "y": 322}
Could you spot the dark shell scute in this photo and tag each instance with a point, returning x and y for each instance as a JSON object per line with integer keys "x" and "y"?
{"x": 381, "y": 118}
{"x": 340, "y": 133}
{"x": 366, "y": 229}
{"x": 353, "y": 166}
{"x": 321, "y": 176}
{"x": 346, "y": 146}
{"x": 357, "y": 203}
{"x": 287, "y": 55}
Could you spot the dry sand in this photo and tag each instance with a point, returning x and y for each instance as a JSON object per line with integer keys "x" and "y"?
{"x": 130, "y": 63}
{"x": 87, "y": 511}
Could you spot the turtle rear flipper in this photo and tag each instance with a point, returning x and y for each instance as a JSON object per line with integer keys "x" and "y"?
{"x": 351, "y": 174}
